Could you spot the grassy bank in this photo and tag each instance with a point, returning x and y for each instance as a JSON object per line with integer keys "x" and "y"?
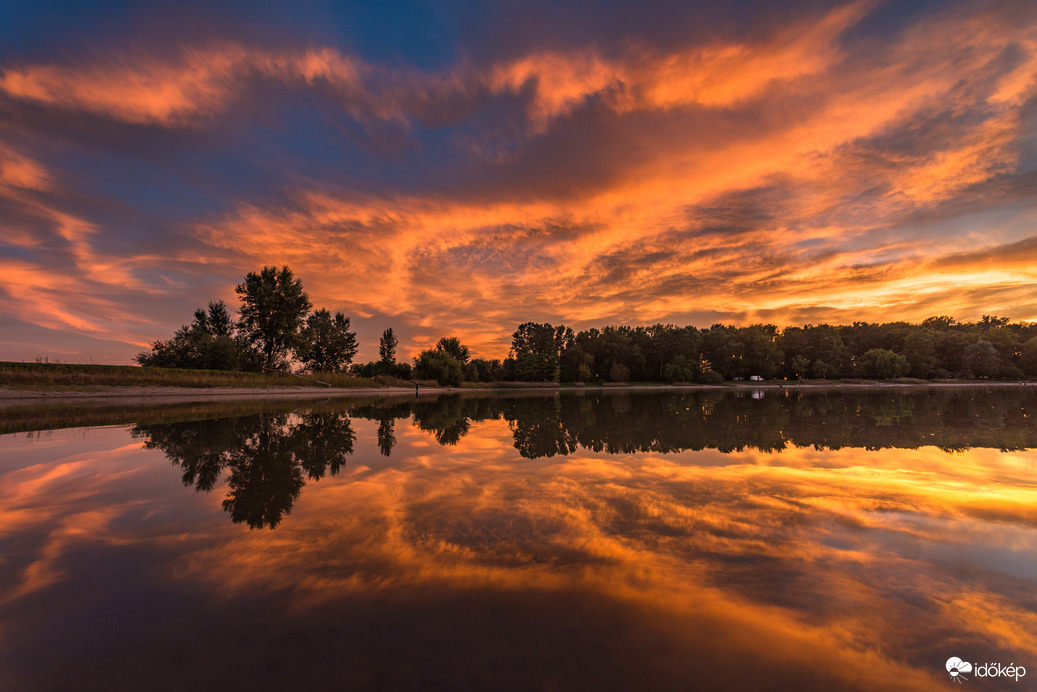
{"x": 42, "y": 376}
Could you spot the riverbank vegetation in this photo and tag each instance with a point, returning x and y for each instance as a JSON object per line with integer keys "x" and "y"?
{"x": 936, "y": 349}
{"x": 276, "y": 332}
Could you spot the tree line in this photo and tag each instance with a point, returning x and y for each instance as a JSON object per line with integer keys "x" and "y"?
{"x": 937, "y": 348}
{"x": 276, "y": 330}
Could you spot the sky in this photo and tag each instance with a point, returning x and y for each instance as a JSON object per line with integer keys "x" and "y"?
{"x": 458, "y": 168}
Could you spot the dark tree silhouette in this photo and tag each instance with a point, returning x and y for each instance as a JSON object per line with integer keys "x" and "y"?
{"x": 205, "y": 344}
{"x": 273, "y": 306}
{"x": 326, "y": 343}
{"x": 439, "y": 366}
{"x": 537, "y": 350}
{"x": 387, "y": 348}
{"x": 453, "y": 347}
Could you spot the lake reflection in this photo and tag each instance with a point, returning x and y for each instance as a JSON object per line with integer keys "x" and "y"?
{"x": 610, "y": 540}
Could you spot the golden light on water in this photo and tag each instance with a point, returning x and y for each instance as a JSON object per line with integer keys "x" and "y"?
{"x": 840, "y": 565}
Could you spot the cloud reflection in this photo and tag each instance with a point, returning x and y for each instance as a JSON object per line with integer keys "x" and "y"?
{"x": 788, "y": 561}
{"x": 753, "y": 563}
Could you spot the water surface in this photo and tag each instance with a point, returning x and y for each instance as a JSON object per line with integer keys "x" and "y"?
{"x": 746, "y": 540}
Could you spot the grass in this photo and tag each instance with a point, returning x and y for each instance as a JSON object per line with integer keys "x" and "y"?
{"x": 44, "y": 376}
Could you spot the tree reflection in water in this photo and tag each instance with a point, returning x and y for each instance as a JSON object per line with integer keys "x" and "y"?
{"x": 546, "y": 425}
{"x": 386, "y": 436}
{"x": 386, "y": 414}
{"x": 732, "y": 422}
{"x": 269, "y": 456}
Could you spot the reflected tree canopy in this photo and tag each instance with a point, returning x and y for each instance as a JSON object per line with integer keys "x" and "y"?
{"x": 386, "y": 413}
{"x": 728, "y": 422}
{"x": 270, "y": 457}
{"x": 447, "y": 418}
{"x": 386, "y": 436}
{"x": 626, "y": 422}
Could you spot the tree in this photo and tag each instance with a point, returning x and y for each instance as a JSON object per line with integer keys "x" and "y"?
{"x": 216, "y": 321}
{"x": 452, "y": 346}
{"x": 709, "y": 376}
{"x": 387, "y": 348}
{"x": 763, "y": 356}
{"x": 939, "y": 322}
{"x": 326, "y": 343}
{"x": 483, "y": 370}
{"x": 1028, "y": 360}
{"x": 799, "y": 366}
{"x": 537, "y": 350}
{"x": 884, "y": 364}
{"x": 619, "y": 373}
{"x": 681, "y": 369}
{"x": 724, "y": 350}
{"x": 920, "y": 351}
{"x": 273, "y": 307}
{"x": 440, "y": 366}
{"x": 205, "y": 344}
{"x": 981, "y": 360}
{"x": 992, "y": 322}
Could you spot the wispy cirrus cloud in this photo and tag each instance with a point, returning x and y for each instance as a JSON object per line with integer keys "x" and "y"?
{"x": 816, "y": 167}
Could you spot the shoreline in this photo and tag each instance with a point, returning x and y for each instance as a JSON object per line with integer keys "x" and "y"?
{"x": 127, "y": 394}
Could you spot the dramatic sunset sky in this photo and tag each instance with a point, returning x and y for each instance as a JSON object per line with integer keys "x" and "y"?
{"x": 460, "y": 167}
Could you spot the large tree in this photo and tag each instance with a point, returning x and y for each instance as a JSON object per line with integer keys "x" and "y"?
{"x": 273, "y": 307}
{"x": 537, "y": 350}
{"x": 326, "y": 343}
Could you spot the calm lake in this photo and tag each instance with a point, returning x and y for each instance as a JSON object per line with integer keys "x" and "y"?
{"x": 743, "y": 540}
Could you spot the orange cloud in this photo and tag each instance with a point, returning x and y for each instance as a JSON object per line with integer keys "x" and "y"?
{"x": 20, "y": 171}
{"x": 414, "y": 253}
{"x": 807, "y": 173}
{"x": 139, "y": 88}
